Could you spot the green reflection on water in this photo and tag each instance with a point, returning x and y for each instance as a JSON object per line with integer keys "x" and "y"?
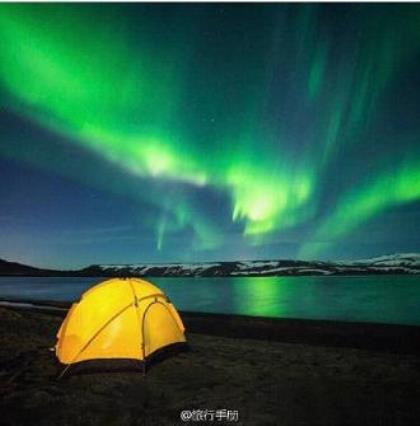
{"x": 255, "y": 296}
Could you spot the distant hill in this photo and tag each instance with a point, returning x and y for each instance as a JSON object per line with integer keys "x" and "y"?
{"x": 14, "y": 268}
{"x": 408, "y": 263}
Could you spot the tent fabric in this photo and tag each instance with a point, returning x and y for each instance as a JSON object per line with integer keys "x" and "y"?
{"x": 119, "y": 318}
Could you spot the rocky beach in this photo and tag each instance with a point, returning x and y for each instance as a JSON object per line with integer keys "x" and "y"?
{"x": 270, "y": 372}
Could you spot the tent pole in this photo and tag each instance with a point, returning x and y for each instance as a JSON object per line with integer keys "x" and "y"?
{"x": 61, "y": 375}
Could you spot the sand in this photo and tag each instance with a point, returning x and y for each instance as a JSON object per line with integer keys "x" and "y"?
{"x": 267, "y": 382}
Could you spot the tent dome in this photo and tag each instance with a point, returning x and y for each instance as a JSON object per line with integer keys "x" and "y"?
{"x": 120, "y": 318}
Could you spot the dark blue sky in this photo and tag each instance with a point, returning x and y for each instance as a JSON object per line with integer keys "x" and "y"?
{"x": 133, "y": 133}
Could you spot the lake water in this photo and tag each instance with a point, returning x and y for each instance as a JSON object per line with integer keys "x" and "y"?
{"x": 385, "y": 299}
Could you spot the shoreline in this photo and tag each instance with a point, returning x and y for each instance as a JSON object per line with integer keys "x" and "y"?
{"x": 267, "y": 381}
{"x": 391, "y": 338}
{"x": 343, "y": 274}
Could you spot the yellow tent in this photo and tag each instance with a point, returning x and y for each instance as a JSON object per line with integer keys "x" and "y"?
{"x": 118, "y": 319}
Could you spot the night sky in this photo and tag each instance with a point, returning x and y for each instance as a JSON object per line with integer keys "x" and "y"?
{"x": 191, "y": 132}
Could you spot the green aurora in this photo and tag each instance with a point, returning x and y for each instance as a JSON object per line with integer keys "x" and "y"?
{"x": 264, "y": 105}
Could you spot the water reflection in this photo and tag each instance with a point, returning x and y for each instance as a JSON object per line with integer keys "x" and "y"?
{"x": 268, "y": 296}
{"x": 388, "y": 299}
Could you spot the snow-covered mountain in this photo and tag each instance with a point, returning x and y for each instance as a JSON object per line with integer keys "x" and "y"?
{"x": 392, "y": 264}
{"x": 410, "y": 260}
{"x": 408, "y": 263}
